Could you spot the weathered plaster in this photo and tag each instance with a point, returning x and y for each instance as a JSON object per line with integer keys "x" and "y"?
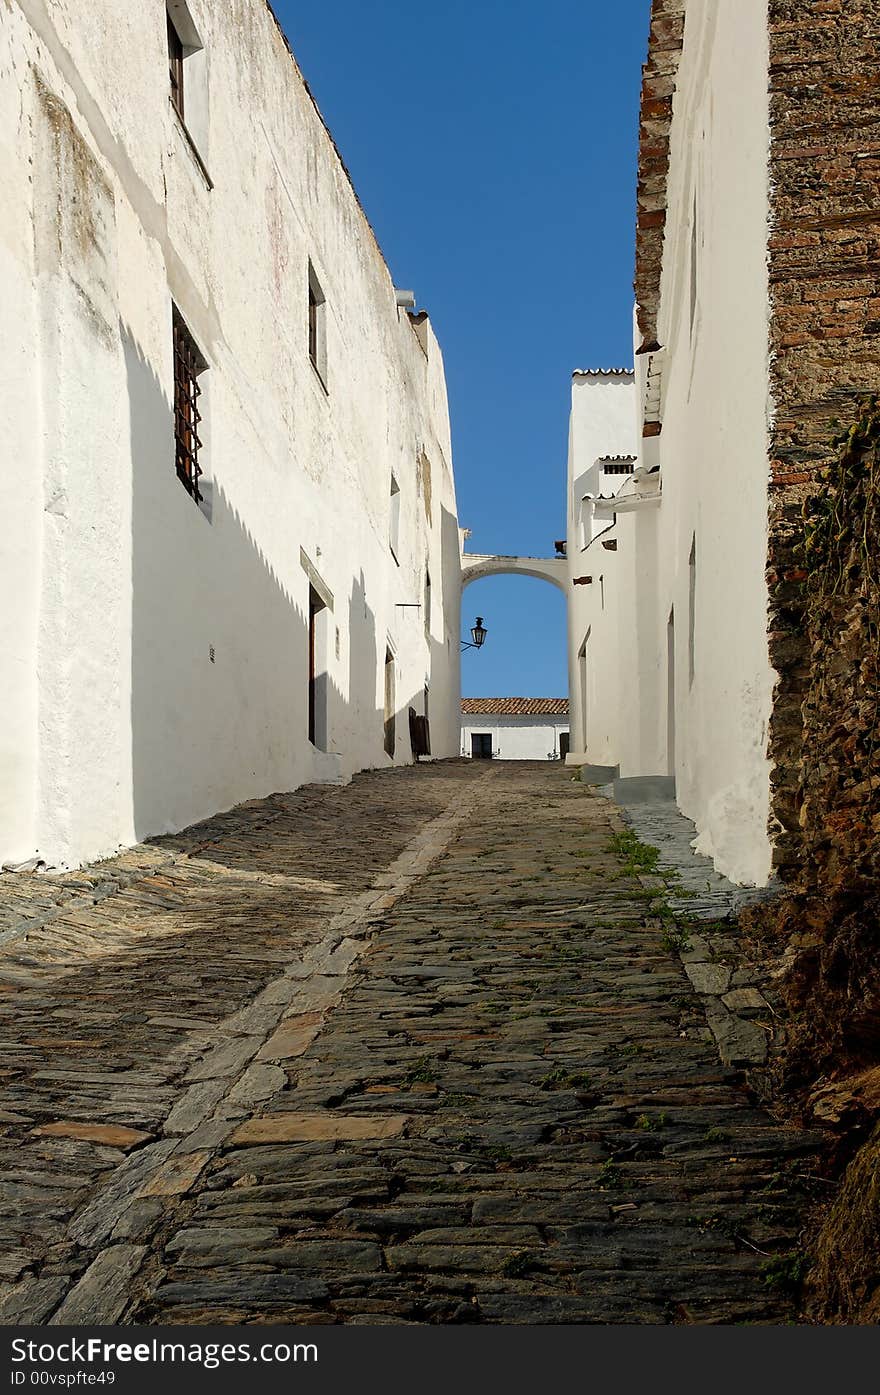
{"x": 157, "y": 657}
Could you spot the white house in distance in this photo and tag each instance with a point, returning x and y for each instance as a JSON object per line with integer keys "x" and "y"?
{"x": 601, "y": 458}
{"x": 514, "y": 728}
{"x": 230, "y": 556}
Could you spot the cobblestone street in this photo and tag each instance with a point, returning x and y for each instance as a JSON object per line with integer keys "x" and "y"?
{"x": 413, "y": 1050}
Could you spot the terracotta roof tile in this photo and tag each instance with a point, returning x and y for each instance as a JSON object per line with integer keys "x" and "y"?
{"x": 515, "y": 707}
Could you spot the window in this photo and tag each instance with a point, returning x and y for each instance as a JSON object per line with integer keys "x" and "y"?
{"x": 188, "y": 365}
{"x": 317, "y": 327}
{"x": 394, "y": 520}
{"x": 427, "y": 604}
{"x": 188, "y": 82}
{"x": 586, "y": 522}
{"x": 175, "y": 66}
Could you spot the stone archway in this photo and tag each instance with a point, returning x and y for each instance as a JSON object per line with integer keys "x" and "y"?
{"x": 475, "y": 565}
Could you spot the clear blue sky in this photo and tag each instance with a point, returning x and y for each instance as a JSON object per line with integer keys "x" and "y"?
{"x": 493, "y": 146}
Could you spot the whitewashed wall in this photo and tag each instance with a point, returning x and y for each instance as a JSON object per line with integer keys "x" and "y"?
{"x": 514, "y": 737}
{"x": 602, "y": 424}
{"x": 714, "y": 466}
{"x": 713, "y": 448}
{"x": 118, "y": 723}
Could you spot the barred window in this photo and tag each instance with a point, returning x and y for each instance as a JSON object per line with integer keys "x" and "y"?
{"x": 188, "y": 364}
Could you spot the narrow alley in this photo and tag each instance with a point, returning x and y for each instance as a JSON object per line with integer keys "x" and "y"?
{"x": 412, "y": 1050}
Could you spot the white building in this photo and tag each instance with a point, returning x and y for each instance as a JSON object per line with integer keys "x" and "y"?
{"x": 601, "y": 457}
{"x": 230, "y": 559}
{"x": 514, "y": 728}
{"x": 670, "y": 674}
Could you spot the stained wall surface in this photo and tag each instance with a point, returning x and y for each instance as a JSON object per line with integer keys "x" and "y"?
{"x": 156, "y": 656}
{"x": 678, "y": 676}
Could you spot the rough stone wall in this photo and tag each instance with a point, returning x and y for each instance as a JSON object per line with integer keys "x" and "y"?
{"x": 824, "y": 275}
{"x": 655, "y": 121}
{"x": 839, "y": 785}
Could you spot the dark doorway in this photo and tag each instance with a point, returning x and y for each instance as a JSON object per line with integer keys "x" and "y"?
{"x": 481, "y": 745}
{"x": 317, "y": 679}
{"x": 670, "y": 694}
{"x": 390, "y": 704}
{"x": 564, "y": 744}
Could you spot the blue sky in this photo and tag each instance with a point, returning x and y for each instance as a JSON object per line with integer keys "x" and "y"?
{"x": 493, "y": 147}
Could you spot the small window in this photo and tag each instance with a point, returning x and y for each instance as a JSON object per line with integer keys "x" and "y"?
{"x": 189, "y": 363}
{"x": 427, "y": 604}
{"x": 188, "y": 81}
{"x": 175, "y": 67}
{"x": 394, "y": 521}
{"x": 317, "y": 327}
{"x": 586, "y": 522}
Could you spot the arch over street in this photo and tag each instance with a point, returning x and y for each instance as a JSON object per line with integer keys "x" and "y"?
{"x": 475, "y": 565}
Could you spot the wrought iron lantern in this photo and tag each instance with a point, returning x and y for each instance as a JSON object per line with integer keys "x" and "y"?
{"x": 478, "y": 635}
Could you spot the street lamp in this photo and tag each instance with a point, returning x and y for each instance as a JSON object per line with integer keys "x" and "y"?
{"x": 478, "y": 635}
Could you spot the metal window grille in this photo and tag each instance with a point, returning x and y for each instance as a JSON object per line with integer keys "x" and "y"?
{"x": 188, "y": 364}
{"x": 175, "y": 66}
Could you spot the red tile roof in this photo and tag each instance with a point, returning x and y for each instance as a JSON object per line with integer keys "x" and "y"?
{"x": 516, "y": 707}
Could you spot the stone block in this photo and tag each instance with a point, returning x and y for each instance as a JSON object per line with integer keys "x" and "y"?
{"x": 104, "y": 1289}
{"x": 224, "y": 1061}
{"x": 740, "y": 1043}
{"x": 175, "y": 1176}
{"x": 744, "y": 1000}
{"x": 95, "y": 1222}
{"x": 195, "y": 1105}
{"x": 293, "y": 1038}
{"x": 30, "y": 1301}
{"x": 713, "y": 979}
{"x": 111, "y": 1135}
{"x": 304, "y": 1128}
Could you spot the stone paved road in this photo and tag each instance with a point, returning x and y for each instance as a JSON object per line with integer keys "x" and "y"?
{"x": 404, "y": 1052}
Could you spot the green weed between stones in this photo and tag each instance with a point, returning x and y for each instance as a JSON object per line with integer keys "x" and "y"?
{"x": 651, "y": 1123}
{"x": 639, "y": 859}
{"x": 516, "y": 1265}
{"x": 422, "y": 1072}
{"x": 676, "y": 935}
{"x": 611, "y": 1177}
{"x": 561, "y": 1079}
{"x": 642, "y": 859}
{"x": 785, "y": 1273}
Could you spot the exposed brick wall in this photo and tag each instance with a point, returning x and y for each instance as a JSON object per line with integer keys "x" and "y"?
{"x": 655, "y": 121}
{"x": 824, "y": 274}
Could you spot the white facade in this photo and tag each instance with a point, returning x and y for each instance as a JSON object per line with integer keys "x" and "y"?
{"x": 685, "y": 591}
{"x": 601, "y": 443}
{"x": 525, "y": 737}
{"x": 155, "y": 651}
